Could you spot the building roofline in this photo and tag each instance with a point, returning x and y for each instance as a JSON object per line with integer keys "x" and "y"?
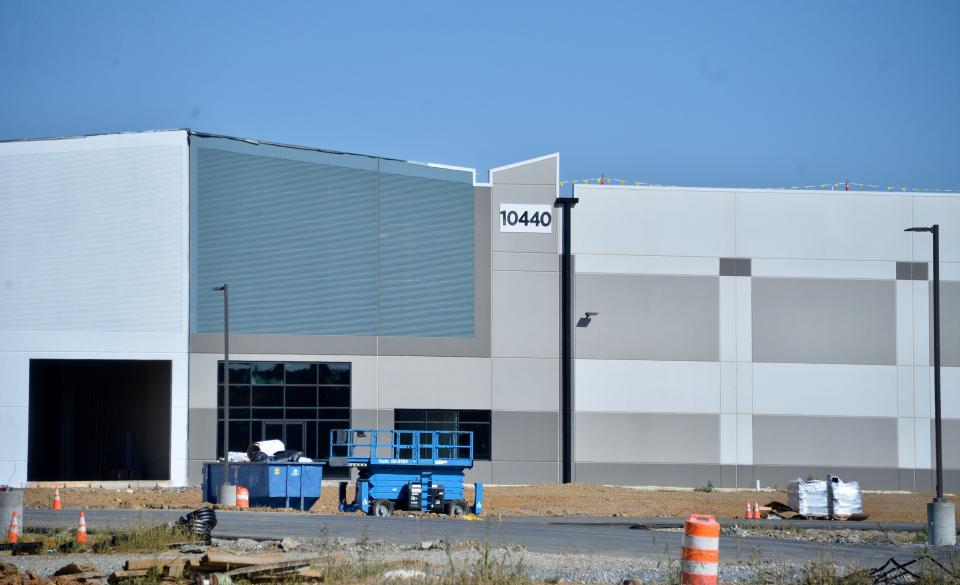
{"x": 779, "y": 190}
{"x": 253, "y": 141}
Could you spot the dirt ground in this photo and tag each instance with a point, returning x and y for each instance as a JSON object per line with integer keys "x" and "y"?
{"x": 538, "y": 500}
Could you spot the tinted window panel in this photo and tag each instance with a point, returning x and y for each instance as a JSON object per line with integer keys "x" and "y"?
{"x": 301, "y": 396}
{"x": 267, "y": 413}
{"x": 301, "y": 373}
{"x": 334, "y": 396}
{"x": 239, "y": 413}
{"x": 404, "y": 415}
{"x": 284, "y": 402}
{"x": 267, "y": 373}
{"x": 342, "y": 414}
{"x": 475, "y": 416}
{"x": 301, "y": 413}
{"x": 239, "y": 395}
{"x": 239, "y": 435}
{"x": 334, "y": 373}
{"x": 267, "y": 396}
{"x": 239, "y": 373}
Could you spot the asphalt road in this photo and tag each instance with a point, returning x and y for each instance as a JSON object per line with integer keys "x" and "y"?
{"x": 623, "y": 537}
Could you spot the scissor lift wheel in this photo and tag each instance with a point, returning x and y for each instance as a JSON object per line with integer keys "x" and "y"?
{"x": 381, "y": 508}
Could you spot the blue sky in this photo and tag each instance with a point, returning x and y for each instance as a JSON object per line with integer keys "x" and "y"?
{"x": 749, "y": 94}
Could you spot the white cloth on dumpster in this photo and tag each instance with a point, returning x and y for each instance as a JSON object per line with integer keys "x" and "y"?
{"x": 237, "y": 457}
{"x": 270, "y": 446}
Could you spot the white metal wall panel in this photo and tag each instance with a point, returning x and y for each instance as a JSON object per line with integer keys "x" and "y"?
{"x": 825, "y": 390}
{"x": 647, "y": 386}
{"x": 837, "y": 226}
{"x": 92, "y": 239}
{"x": 945, "y": 211}
{"x": 93, "y": 265}
{"x": 644, "y": 222}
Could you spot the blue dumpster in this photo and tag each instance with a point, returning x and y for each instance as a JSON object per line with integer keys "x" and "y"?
{"x": 271, "y": 484}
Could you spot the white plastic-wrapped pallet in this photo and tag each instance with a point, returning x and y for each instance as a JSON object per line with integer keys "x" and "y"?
{"x": 809, "y": 498}
{"x": 846, "y": 497}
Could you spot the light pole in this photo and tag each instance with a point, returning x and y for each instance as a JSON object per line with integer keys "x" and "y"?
{"x": 226, "y": 493}
{"x": 941, "y": 519}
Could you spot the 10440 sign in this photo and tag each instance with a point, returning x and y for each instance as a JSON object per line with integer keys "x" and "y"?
{"x": 526, "y": 218}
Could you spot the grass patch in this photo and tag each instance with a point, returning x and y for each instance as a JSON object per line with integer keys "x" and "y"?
{"x": 144, "y": 538}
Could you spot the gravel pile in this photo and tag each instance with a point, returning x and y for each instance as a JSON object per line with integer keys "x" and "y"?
{"x": 439, "y": 557}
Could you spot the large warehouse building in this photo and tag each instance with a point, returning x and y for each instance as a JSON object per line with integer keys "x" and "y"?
{"x": 719, "y": 335}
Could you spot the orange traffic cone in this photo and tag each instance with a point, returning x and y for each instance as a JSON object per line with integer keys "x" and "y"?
{"x": 749, "y": 515}
{"x": 756, "y": 510}
{"x": 57, "y": 504}
{"x": 13, "y": 533}
{"x": 82, "y": 530}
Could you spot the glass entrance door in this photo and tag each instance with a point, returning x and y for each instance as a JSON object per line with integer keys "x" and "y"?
{"x": 291, "y": 432}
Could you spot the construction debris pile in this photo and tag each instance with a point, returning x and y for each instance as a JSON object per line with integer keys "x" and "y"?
{"x": 270, "y": 450}
{"x": 210, "y": 568}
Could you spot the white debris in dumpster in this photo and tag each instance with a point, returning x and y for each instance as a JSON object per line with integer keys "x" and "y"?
{"x": 268, "y": 447}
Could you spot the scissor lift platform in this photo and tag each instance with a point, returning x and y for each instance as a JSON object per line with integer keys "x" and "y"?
{"x": 406, "y": 470}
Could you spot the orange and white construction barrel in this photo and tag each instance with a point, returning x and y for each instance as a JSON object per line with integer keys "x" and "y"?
{"x": 243, "y": 497}
{"x": 701, "y": 550}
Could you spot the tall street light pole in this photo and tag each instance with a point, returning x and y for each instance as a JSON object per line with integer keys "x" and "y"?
{"x": 941, "y": 519}
{"x": 226, "y": 492}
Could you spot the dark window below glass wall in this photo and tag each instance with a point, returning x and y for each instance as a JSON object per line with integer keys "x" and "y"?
{"x": 477, "y": 421}
{"x": 298, "y": 403}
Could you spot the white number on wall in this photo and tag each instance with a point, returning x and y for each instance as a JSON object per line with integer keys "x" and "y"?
{"x": 526, "y": 218}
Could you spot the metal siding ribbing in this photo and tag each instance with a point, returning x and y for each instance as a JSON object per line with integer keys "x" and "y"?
{"x": 426, "y": 255}
{"x": 91, "y": 240}
{"x": 307, "y": 251}
{"x": 297, "y": 241}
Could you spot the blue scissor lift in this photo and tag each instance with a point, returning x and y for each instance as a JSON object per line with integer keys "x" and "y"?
{"x": 406, "y": 470}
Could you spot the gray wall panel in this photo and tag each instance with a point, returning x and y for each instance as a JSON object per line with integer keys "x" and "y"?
{"x": 296, "y": 240}
{"x": 825, "y": 441}
{"x": 202, "y": 433}
{"x": 525, "y": 312}
{"x": 870, "y": 478}
{"x": 426, "y": 251}
{"x": 526, "y": 384}
{"x": 535, "y": 183}
{"x": 481, "y": 472}
{"x": 951, "y": 442}
{"x": 526, "y": 472}
{"x": 526, "y": 261}
{"x": 318, "y": 243}
{"x": 825, "y": 321}
{"x": 649, "y": 317}
{"x": 428, "y": 382}
{"x": 385, "y": 419}
{"x": 683, "y": 475}
{"x": 949, "y": 318}
{"x": 284, "y": 344}
{"x": 647, "y": 438}
{"x": 361, "y": 418}
{"x": 525, "y": 436}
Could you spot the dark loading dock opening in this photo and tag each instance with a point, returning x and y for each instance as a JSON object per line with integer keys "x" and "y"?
{"x": 99, "y": 420}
